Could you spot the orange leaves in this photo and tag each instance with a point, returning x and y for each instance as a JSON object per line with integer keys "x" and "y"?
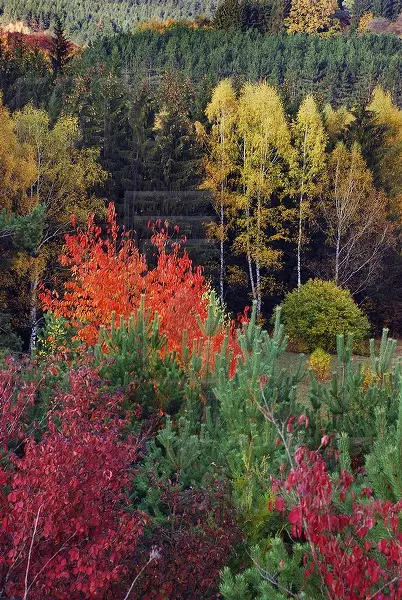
{"x": 108, "y": 274}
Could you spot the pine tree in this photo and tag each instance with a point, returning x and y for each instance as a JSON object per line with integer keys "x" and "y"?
{"x": 61, "y": 48}
{"x": 366, "y": 131}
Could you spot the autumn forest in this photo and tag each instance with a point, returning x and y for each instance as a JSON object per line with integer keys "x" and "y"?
{"x": 201, "y": 300}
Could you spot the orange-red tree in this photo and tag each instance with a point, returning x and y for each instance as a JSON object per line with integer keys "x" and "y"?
{"x": 109, "y": 274}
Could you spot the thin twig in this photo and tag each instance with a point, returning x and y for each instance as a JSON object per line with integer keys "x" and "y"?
{"x": 154, "y": 555}
{"x": 30, "y": 552}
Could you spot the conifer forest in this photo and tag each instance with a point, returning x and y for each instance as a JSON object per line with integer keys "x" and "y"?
{"x": 201, "y": 300}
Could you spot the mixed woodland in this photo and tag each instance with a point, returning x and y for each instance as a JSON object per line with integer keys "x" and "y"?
{"x": 200, "y": 301}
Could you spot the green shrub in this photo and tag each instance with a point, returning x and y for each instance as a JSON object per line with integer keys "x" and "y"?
{"x": 320, "y": 310}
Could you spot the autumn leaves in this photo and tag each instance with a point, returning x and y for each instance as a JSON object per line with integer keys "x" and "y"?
{"x": 275, "y": 178}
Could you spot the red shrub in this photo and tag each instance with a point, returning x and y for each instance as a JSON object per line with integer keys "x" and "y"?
{"x": 194, "y": 546}
{"x": 108, "y": 274}
{"x": 65, "y": 529}
{"x": 344, "y": 546}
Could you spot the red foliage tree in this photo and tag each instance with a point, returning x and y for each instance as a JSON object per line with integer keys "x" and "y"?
{"x": 351, "y": 559}
{"x": 65, "y": 528}
{"x": 110, "y": 275}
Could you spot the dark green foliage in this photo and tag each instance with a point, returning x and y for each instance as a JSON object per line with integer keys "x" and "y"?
{"x": 349, "y": 403}
{"x": 384, "y": 463}
{"x": 25, "y": 76}
{"x": 134, "y": 357}
{"x": 60, "y": 50}
{"x": 25, "y": 230}
{"x": 303, "y": 63}
{"x": 85, "y": 20}
{"x": 371, "y": 137}
{"x": 9, "y": 340}
{"x": 387, "y": 9}
{"x": 230, "y": 14}
{"x": 275, "y": 573}
{"x": 266, "y": 16}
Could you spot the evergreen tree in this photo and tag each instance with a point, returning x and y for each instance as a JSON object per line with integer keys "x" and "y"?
{"x": 10, "y": 341}
{"x": 370, "y": 135}
{"x": 60, "y": 50}
{"x": 230, "y": 14}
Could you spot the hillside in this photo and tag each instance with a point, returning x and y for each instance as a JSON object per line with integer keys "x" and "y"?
{"x": 85, "y": 19}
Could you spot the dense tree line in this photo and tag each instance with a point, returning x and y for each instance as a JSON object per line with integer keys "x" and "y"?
{"x": 85, "y": 20}
{"x": 341, "y": 70}
{"x": 136, "y": 100}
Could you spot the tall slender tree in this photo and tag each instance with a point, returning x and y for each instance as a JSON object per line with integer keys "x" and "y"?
{"x": 61, "y": 48}
{"x": 267, "y": 154}
{"x": 309, "y": 141}
{"x": 220, "y": 163}
{"x": 389, "y": 116}
{"x": 64, "y": 176}
{"x": 355, "y": 218}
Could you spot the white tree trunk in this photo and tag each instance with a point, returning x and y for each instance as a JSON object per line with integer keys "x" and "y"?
{"x": 33, "y": 321}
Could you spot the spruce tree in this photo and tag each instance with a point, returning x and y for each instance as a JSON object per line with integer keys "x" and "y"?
{"x": 370, "y": 135}
{"x": 60, "y": 51}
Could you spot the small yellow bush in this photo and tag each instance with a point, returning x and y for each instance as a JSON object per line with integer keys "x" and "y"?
{"x": 370, "y": 379}
{"x": 320, "y": 364}
{"x": 364, "y": 22}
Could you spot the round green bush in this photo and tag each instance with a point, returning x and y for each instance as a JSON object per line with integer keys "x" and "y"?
{"x": 320, "y": 310}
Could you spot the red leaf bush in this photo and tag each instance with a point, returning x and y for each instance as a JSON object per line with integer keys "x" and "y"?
{"x": 194, "y": 545}
{"x": 66, "y": 531}
{"x": 355, "y": 541}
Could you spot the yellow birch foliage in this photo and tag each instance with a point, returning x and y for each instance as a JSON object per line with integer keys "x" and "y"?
{"x": 307, "y": 16}
{"x": 266, "y": 155}
{"x": 390, "y": 116}
{"x": 17, "y": 168}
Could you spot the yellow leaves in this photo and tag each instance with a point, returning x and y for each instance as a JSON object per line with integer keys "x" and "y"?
{"x": 349, "y": 177}
{"x": 63, "y": 172}
{"x": 309, "y": 140}
{"x": 387, "y": 113}
{"x": 27, "y": 266}
{"x": 307, "y": 16}
{"x": 262, "y": 121}
{"x": 336, "y": 121}
{"x": 364, "y": 22}
{"x": 223, "y": 106}
{"x": 159, "y": 119}
{"x": 390, "y": 116}
{"x": 17, "y": 168}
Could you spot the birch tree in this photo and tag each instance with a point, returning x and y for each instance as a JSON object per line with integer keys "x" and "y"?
{"x": 355, "y": 220}
{"x": 390, "y": 116}
{"x": 64, "y": 176}
{"x": 266, "y": 154}
{"x": 309, "y": 141}
{"x": 220, "y": 163}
